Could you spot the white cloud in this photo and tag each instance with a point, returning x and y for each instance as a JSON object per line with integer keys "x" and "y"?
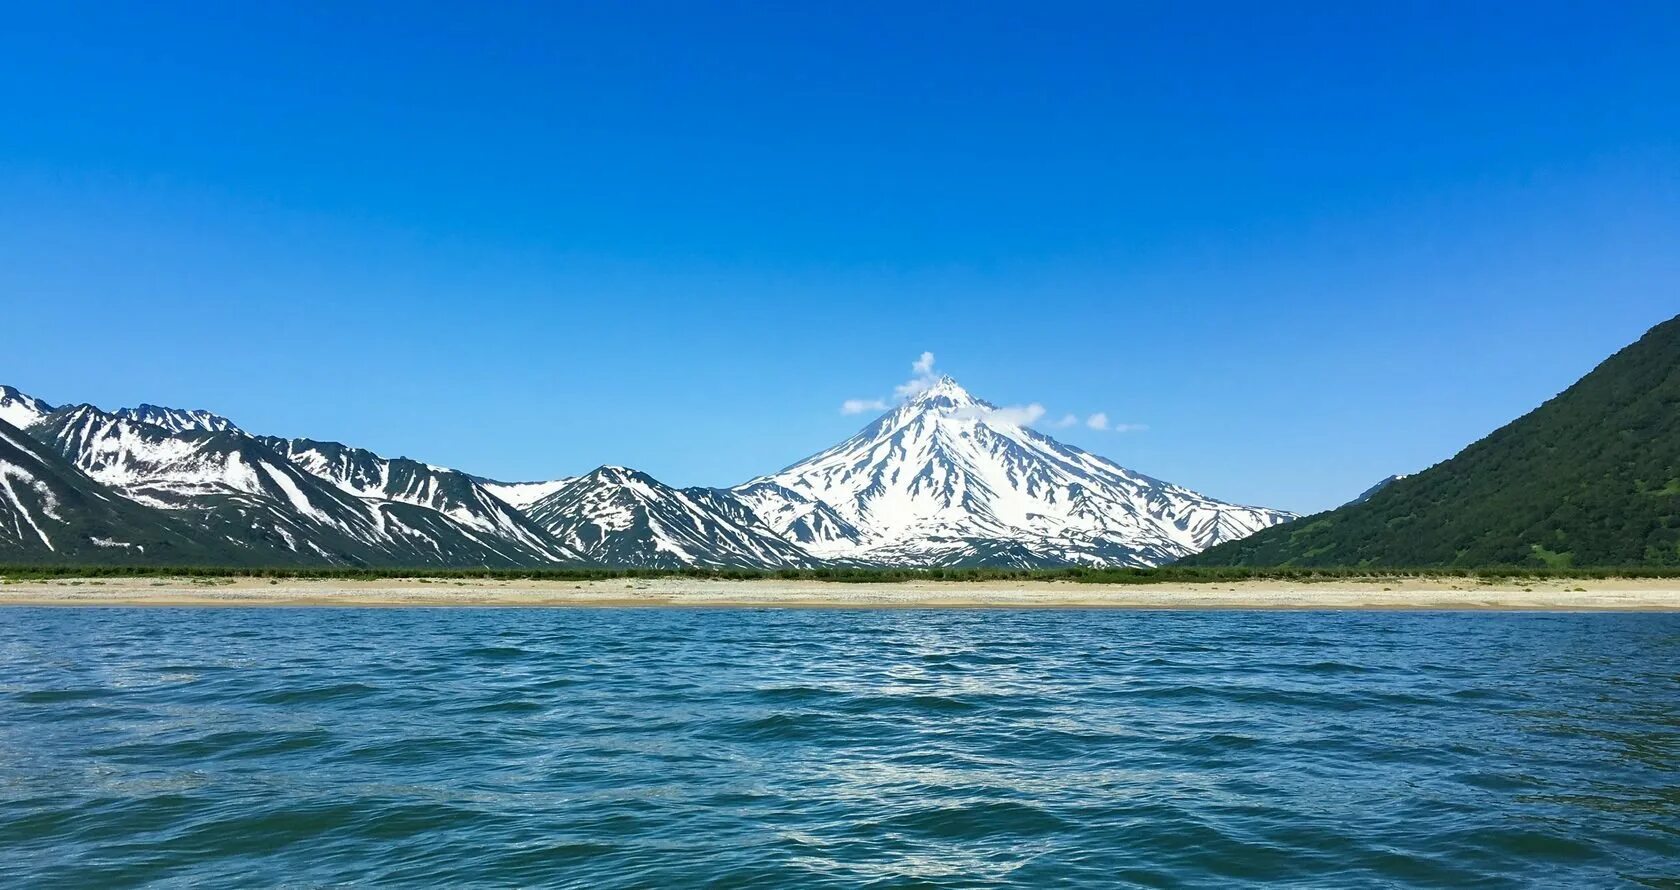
{"x": 1018, "y": 415}
{"x": 922, "y": 378}
{"x": 1008, "y": 415}
{"x": 1100, "y": 421}
{"x": 859, "y": 406}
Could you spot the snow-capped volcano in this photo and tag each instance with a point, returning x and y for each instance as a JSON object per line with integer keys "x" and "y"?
{"x": 947, "y": 479}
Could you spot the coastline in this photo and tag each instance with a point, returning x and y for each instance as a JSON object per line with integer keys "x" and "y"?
{"x": 1404, "y": 594}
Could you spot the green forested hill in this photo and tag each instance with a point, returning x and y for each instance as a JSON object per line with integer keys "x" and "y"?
{"x": 1590, "y": 478}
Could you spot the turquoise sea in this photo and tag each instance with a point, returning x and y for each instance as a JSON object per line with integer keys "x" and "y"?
{"x": 209, "y": 747}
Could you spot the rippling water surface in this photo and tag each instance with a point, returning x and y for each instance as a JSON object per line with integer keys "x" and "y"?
{"x": 806, "y": 748}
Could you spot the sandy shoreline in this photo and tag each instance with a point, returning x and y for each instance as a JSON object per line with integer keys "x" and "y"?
{"x": 1661, "y": 595}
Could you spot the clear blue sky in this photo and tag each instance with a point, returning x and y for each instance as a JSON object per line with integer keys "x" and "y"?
{"x": 1306, "y": 247}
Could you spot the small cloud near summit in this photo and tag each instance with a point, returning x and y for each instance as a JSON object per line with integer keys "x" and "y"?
{"x": 858, "y": 406}
{"x": 1015, "y": 415}
{"x": 923, "y": 377}
{"x": 1098, "y": 421}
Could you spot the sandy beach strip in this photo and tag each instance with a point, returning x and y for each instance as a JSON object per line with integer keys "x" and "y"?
{"x": 1661, "y": 595}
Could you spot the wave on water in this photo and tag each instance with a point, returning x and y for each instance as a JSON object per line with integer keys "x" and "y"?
{"x": 635, "y": 748}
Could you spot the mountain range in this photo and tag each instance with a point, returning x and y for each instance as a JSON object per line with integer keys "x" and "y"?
{"x": 52, "y": 512}
{"x": 943, "y": 479}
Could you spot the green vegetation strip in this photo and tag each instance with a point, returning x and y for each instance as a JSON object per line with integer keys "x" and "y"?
{"x": 1162, "y": 575}
{"x": 1590, "y": 478}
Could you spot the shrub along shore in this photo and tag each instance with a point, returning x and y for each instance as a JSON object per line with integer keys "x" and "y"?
{"x": 858, "y": 575}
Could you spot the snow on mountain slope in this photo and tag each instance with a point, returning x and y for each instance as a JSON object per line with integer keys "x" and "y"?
{"x": 522, "y": 495}
{"x": 457, "y": 496}
{"x": 21, "y": 409}
{"x": 223, "y": 480}
{"x": 944, "y": 479}
{"x": 232, "y": 487}
{"x": 799, "y": 517}
{"x": 947, "y": 479}
{"x": 178, "y": 420}
{"x": 52, "y": 512}
{"x": 31, "y": 507}
{"x": 619, "y": 516}
{"x": 120, "y": 451}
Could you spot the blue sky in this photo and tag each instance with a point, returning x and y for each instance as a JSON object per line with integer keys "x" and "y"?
{"x": 1303, "y": 248}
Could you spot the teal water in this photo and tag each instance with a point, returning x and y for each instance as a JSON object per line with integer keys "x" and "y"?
{"x": 810, "y": 748}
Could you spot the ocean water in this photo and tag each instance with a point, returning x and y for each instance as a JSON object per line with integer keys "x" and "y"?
{"x": 810, "y": 748}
